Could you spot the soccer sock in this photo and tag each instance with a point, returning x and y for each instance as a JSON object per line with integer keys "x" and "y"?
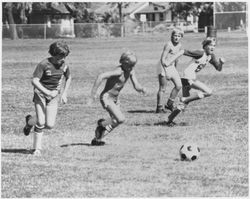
{"x": 110, "y": 127}
{"x": 38, "y": 134}
{"x": 173, "y": 115}
{"x": 170, "y": 102}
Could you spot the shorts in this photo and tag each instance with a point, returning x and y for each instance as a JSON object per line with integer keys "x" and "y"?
{"x": 46, "y": 101}
{"x": 107, "y": 99}
{"x": 169, "y": 72}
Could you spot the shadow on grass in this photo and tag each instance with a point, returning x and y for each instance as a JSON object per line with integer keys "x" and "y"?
{"x": 76, "y": 144}
{"x": 164, "y": 123}
{"x": 141, "y": 111}
{"x": 23, "y": 151}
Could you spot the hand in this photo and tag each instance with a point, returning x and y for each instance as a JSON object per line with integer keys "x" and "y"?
{"x": 222, "y": 60}
{"x": 64, "y": 98}
{"x": 144, "y": 91}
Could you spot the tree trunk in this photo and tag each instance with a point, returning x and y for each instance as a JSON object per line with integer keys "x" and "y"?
{"x": 13, "y": 31}
{"x": 120, "y": 12}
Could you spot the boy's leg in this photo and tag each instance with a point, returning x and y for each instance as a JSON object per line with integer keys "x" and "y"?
{"x": 51, "y": 112}
{"x": 174, "y": 93}
{"x": 160, "y": 94}
{"x": 106, "y": 126}
{"x": 38, "y": 131}
{"x": 205, "y": 92}
{"x": 185, "y": 92}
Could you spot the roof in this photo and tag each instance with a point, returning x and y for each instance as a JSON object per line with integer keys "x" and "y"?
{"x": 59, "y": 8}
{"x": 111, "y": 7}
{"x": 132, "y": 7}
{"x": 155, "y": 8}
{"x": 53, "y": 9}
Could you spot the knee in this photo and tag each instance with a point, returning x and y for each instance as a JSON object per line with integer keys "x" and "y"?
{"x": 50, "y": 126}
{"x": 208, "y": 93}
{"x": 121, "y": 120}
{"x": 178, "y": 87}
{"x": 162, "y": 90}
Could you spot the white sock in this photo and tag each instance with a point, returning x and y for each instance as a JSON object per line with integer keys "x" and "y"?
{"x": 37, "y": 143}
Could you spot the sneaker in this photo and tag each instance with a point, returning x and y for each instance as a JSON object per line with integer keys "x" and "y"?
{"x": 171, "y": 124}
{"x": 36, "y": 152}
{"x": 27, "y": 128}
{"x": 99, "y": 131}
{"x": 181, "y": 106}
{"x": 95, "y": 142}
{"x": 162, "y": 110}
{"x": 99, "y": 122}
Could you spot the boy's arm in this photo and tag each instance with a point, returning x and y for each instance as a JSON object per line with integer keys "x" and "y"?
{"x": 166, "y": 60}
{"x": 66, "y": 88}
{"x": 137, "y": 86}
{"x": 217, "y": 63}
{"x": 196, "y": 54}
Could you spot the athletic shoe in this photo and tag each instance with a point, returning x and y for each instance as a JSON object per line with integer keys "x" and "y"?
{"x": 95, "y": 142}
{"x": 27, "y": 128}
{"x": 160, "y": 110}
{"x": 99, "y": 122}
{"x": 37, "y": 152}
{"x": 181, "y": 106}
{"x": 171, "y": 124}
{"x": 99, "y": 131}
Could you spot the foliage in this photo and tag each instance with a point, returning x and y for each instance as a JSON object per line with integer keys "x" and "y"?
{"x": 230, "y": 6}
{"x": 81, "y": 13}
{"x": 183, "y": 9}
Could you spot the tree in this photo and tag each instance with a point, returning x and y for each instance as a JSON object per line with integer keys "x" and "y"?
{"x": 230, "y": 6}
{"x": 10, "y": 20}
{"x": 120, "y": 6}
{"x": 80, "y": 11}
{"x": 15, "y": 13}
{"x": 181, "y": 10}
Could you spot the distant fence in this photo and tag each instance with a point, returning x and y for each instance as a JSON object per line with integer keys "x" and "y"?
{"x": 94, "y": 30}
{"x": 233, "y": 20}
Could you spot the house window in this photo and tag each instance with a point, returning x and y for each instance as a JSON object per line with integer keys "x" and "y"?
{"x": 161, "y": 17}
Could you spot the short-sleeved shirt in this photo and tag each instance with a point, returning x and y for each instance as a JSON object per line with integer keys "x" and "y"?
{"x": 50, "y": 75}
{"x": 199, "y": 61}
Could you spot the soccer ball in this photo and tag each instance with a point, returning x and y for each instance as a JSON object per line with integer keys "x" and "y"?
{"x": 189, "y": 152}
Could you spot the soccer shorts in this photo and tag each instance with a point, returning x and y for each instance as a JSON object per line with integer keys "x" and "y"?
{"x": 107, "y": 100}
{"x": 46, "y": 101}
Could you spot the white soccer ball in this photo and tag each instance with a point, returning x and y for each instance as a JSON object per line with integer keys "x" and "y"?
{"x": 189, "y": 152}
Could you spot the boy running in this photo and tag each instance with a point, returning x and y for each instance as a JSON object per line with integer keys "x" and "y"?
{"x": 200, "y": 59}
{"x": 47, "y": 81}
{"x": 116, "y": 80}
{"x": 167, "y": 71}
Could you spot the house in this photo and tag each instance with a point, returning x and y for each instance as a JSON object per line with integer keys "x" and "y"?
{"x": 56, "y": 17}
{"x": 154, "y": 12}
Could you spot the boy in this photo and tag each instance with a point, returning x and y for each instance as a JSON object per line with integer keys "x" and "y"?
{"x": 200, "y": 59}
{"x": 167, "y": 71}
{"x": 47, "y": 80}
{"x": 116, "y": 80}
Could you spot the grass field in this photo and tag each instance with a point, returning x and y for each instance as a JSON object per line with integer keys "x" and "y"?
{"x": 141, "y": 158}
